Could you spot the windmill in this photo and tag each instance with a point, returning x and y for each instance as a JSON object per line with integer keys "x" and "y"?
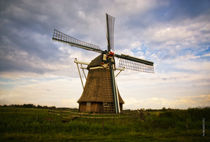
{"x": 100, "y": 92}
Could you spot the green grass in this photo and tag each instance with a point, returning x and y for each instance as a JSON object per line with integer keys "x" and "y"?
{"x": 43, "y": 124}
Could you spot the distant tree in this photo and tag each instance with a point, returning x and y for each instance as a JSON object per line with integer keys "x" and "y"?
{"x": 44, "y": 107}
{"x": 29, "y": 106}
{"x": 163, "y": 109}
{"x": 38, "y": 106}
{"x": 52, "y": 107}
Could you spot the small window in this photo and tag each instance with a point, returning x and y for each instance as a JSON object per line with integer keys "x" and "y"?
{"x": 88, "y": 104}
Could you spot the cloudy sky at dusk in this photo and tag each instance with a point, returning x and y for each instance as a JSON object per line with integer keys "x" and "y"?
{"x": 174, "y": 34}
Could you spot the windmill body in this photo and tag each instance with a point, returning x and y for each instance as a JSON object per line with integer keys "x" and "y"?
{"x": 97, "y": 94}
{"x": 100, "y": 92}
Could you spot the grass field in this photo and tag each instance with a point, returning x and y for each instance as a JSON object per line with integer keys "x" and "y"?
{"x": 44, "y": 124}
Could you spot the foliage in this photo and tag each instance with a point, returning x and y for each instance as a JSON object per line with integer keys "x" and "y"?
{"x": 28, "y": 123}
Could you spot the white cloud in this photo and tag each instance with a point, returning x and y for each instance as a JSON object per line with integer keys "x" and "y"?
{"x": 124, "y": 7}
{"x": 183, "y": 102}
{"x": 206, "y": 55}
{"x": 185, "y": 34}
{"x": 194, "y": 66}
{"x": 49, "y": 91}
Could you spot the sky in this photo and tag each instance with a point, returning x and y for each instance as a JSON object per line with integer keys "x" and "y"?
{"x": 174, "y": 34}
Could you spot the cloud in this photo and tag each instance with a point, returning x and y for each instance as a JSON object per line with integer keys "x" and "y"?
{"x": 183, "y": 102}
{"x": 49, "y": 91}
{"x": 32, "y": 36}
{"x": 62, "y": 91}
{"x": 124, "y": 7}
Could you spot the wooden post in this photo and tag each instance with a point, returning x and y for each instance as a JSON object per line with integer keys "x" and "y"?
{"x": 83, "y": 71}
{"x": 203, "y": 126}
{"x": 79, "y": 72}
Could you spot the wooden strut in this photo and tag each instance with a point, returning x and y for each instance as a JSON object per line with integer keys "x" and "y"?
{"x": 75, "y": 61}
{"x": 83, "y": 71}
{"x": 120, "y": 70}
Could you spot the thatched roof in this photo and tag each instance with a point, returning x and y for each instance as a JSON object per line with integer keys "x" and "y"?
{"x": 98, "y": 87}
{"x": 95, "y": 62}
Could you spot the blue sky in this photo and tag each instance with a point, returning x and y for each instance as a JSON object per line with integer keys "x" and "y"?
{"x": 174, "y": 34}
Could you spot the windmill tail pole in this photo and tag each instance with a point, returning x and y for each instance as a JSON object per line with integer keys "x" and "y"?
{"x": 117, "y": 93}
{"x": 114, "y": 92}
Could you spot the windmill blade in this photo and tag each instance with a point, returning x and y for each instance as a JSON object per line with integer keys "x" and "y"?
{"x": 110, "y": 31}
{"x": 59, "y": 36}
{"x": 135, "y": 64}
{"x": 110, "y": 41}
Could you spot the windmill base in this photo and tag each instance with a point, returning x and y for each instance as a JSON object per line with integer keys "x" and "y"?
{"x": 98, "y": 107}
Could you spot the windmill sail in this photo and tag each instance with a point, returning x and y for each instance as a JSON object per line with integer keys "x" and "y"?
{"x": 110, "y": 31}
{"x": 59, "y": 36}
{"x": 135, "y": 64}
{"x": 110, "y": 46}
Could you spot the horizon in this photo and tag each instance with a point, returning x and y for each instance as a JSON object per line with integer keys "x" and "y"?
{"x": 54, "y": 107}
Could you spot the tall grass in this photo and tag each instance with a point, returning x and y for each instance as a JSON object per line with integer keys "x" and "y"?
{"x": 43, "y": 124}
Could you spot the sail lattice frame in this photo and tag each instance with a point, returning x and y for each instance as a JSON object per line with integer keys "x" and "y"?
{"x": 136, "y": 66}
{"x": 59, "y": 36}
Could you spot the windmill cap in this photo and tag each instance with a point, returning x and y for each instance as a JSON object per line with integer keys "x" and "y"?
{"x": 95, "y": 62}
